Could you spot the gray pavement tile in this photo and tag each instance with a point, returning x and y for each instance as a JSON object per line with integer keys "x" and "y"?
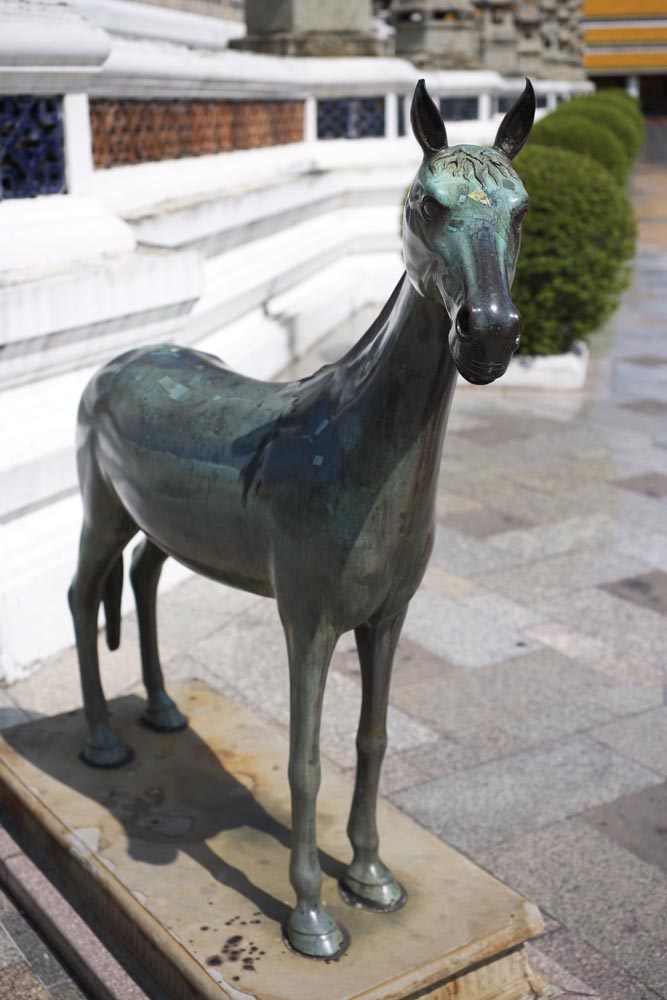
{"x": 511, "y": 497}
{"x": 569, "y": 642}
{"x": 587, "y": 566}
{"x": 559, "y": 978}
{"x": 623, "y": 627}
{"x": 465, "y": 555}
{"x": 556, "y": 538}
{"x": 557, "y": 721}
{"x": 18, "y": 982}
{"x": 248, "y": 656}
{"x": 461, "y": 753}
{"x": 41, "y": 959}
{"x": 462, "y": 703}
{"x": 652, "y": 407}
{"x": 641, "y": 737}
{"x": 503, "y": 611}
{"x": 493, "y": 434}
{"x": 459, "y": 634}
{"x": 628, "y": 670}
{"x": 483, "y": 522}
{"x": 197, "y": 607}
{"x": 612, "y": 900}
{"x": 583, "y": 964}
{"x": 645, "y": 544}
{"x": 636, "y": 822}
{"x": 649, "y": 590}
{"x": 412, "y": 664}
{"x": 9, "y": 953}
{"x": 503, "y": 799}
{"x": 646, "y": 359}
{"x": 66, "y": 991}
{"x": 652, "y": 484}
{"x": 398, "y": 773}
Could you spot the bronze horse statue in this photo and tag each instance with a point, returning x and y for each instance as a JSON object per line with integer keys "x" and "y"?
{"x": 318, "y": 492}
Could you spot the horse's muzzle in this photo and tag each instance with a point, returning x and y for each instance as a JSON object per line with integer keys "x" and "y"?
{"x": 483, "y": 341}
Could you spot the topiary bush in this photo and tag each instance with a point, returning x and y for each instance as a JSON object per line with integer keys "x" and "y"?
{"x": 580, "y": 135}
{"x": 577, "y": 239}
{"x": 603, "y": 112}
{"x": 630, "y": 106}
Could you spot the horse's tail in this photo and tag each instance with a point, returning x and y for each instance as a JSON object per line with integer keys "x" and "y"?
{"x": 111, "y": 595}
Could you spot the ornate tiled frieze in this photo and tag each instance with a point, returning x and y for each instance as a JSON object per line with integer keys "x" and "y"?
{"x": 32, "y": 158}
{"x": 133, "y": 131}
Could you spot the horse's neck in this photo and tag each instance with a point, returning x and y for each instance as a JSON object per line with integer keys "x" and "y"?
{"x": 403, "y": 374}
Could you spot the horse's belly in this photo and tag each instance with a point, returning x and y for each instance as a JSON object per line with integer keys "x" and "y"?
{"x": 194, "y": 513}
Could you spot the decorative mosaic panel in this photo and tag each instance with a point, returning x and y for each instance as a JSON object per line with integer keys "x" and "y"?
{"x": 350, "y": 118}
{"x": 506, "y": 102}
{"x": 459, "y": 109}
{"x": 401, "y": 116}
{"x": 32, "y": 156}
{"x": 126, "y": 132}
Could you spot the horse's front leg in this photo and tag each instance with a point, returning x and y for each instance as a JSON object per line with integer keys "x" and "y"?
{"x": 310, "y": 929}
{"x": 367, "y": 880}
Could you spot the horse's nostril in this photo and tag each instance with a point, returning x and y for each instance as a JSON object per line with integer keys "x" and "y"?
{"x": 463, "y": 322}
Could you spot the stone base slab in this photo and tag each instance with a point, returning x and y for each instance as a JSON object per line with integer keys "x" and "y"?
{"x": 183, "y": 855}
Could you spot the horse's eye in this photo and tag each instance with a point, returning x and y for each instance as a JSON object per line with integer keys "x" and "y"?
{"x": 431, "y": 209}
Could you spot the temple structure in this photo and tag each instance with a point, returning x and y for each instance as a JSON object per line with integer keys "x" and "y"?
{"x": 537, "y": 38}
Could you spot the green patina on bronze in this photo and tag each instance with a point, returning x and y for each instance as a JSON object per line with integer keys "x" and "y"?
{"x": 319, "y": 493}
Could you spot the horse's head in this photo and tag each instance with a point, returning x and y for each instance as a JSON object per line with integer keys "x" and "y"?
{"x": 462, "y": 232}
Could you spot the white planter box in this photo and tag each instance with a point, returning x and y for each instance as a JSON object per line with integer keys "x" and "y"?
{"x": 551, "y": 371}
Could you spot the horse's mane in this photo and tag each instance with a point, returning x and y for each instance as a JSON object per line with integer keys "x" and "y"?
{"x": 474, "y": 163}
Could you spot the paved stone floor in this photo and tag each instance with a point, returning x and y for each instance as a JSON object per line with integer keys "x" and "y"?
{"x": 528, "y": 724}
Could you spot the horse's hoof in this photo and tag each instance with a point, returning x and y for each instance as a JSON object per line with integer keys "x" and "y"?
{"x": 313, "y": 932}
{"x": 383, "y": 897}
{"x": 114, "y": 755}
{"x": 164, "y": 718}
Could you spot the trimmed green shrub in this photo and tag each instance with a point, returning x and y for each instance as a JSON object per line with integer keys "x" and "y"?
{"x": 577, "y": 239}
{"x": 605, "y": 113}
{"x": 581, "y": 135}
{"x": 621, "y": 100}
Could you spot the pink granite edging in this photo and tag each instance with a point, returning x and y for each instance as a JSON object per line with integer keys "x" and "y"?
{"x": 93, "y": 964}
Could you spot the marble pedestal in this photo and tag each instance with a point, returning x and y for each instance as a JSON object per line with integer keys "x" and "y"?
{"x": 183, "y": 855}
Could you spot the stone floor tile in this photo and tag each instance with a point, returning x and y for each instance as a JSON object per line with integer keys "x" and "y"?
{"x": 67, "y": 991}
{"x": 467, "y": 701}
{"x": 249, "y": 656}
{"x": 601, "y": 892}
{"x": 467, "y": 556}
{"x": 398, "y": 773}
{"x": 648, "y": 590}
{"x": 197, "y": 608}
{"x": 569, "y": 642}
{"x": 583, "y": 964}
{"x": 630, "y": 670}
{"x": 493, "y": 434}
{"x": 461, "y": 753}
{"x": 636, "y": 822}
{"x": 646, "y": 359}
{"x": 557, "y": 721}
{"x": 9, "y": 953}
{"x": 483, "y": 522}
{"x": 412, "y": 664}
{"x": 503, "y": 799}
{"x": 642, "y": 737}
{"x": 459, "y": 634}
{"x": 448, "y": 584}
{"x": 558, "y": 977}
{"x": 625, "y": 628}
{"x": 499, "y": 609}
{"x": 652, "y": 484}
{"x": 41, "y": 959}
{"x": 651, "y": 407}
{"x": 542, "y": 541}
{"x": 628, "y": 699}
{"x": 17, "y": 982}
{"x": 588, "y": 566}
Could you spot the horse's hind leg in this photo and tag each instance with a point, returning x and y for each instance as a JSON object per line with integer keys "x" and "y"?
{"x": 147, "y": 562}
{"x": 367, "y": 880}
{"x": 105, "y": 532}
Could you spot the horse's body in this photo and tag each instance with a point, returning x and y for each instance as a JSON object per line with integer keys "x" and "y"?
{"x": 319, "y": 493}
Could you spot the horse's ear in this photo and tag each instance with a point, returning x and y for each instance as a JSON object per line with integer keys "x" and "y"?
{"x": 517, "y": 123}
{"x": 427, "y": 124}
